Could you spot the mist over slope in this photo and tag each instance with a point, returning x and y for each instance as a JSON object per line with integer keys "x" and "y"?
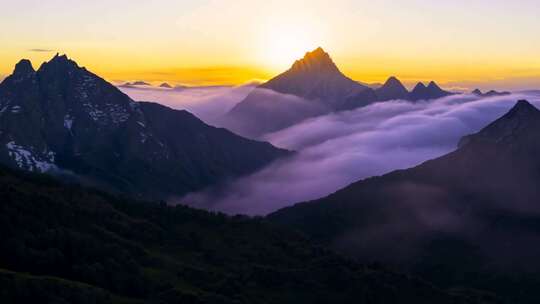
{"x": 337, "y": 149}
{"x": 207, "y": 103}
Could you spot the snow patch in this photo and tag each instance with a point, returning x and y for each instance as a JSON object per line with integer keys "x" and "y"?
{"x": 94, "y": 112}
{"x": 107, "y": 113}
{"x": 26, "y": 159}
{"x": 16, "y": 109}
{"x": 144, "y": 137}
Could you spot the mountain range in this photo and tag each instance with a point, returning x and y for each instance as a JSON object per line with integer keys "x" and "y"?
{"x": 135, "y": 84}
{"x": 65, "y": 120}
{"x": 313, "y": 86}
{"x": 491, "y": 93}
{"x": 467, "y": 219}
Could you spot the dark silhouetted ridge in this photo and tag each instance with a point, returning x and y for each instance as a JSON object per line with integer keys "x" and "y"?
{"x": 432, "y": 91}
{"x": 64, "y": 118}
{"x": 477, "y": 92}
{"x": 517, "y": 127}
{"x": 491, "y": 93}
{"x": 392, "y": 89}
{"x": 317, "y": 86}
{"x": 23, "y": 68}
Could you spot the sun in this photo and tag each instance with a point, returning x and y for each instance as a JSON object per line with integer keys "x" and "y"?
{"x": 281, "y": 45}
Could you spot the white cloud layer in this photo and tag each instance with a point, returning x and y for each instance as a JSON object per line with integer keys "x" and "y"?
{"x": 207, "y": 103}
{"x": 337, "y": 149}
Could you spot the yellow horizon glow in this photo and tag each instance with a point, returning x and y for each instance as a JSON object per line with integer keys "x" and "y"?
{"x": 365, "y": 69}
{"x": 212, "y": 42}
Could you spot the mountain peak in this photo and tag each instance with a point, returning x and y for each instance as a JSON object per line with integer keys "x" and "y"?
{"x": 423, "y": 92}
{"x": 521, "y": 121}
{"x": 23, "y": 68}
{"x": 315, "y": 77}
{"x": 419, "y": 86}
{"x": 59, "y": 61}
{"x": 392, "y": 81}
{"x": 392, "y": 89}
{"x": 433, "y": 85}
{"x": 315, "y": 61}
{"x": 522, "y": 108}
{"x": 318, "y": 51}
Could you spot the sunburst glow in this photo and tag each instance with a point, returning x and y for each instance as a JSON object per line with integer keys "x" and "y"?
{"x": 281, "y": 45}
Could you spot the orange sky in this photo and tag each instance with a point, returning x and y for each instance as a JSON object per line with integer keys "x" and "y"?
{"x": 461, "y": 43}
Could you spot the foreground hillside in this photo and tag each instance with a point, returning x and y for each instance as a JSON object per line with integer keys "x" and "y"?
{"x": 72, "y": 245}
{"x": 469, "y": 218}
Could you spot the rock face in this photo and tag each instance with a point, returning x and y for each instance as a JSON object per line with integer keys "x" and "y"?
{"x": 64, "y": 119}
{"x": 469, "y": 218}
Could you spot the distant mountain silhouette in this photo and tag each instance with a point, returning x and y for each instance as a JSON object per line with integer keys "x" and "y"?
{"x": 180, "y": 87}
{"x": 312, "y": 86}
{"x": 165, "y": 85}
{"x": 432, "y": 91}
{"x": 491, "y": 93}
{"x": 315, "y": 77}
{"x": 135, "y": 84}
{"x": 65, "y": 120}
{"x": 470, "y": 218}
{"x": 139, "y": 83}
{"x": 392, "y": 89}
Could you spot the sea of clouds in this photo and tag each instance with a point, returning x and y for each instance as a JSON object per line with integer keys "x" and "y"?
{"x": 337, "y": 149}
{"x": 208, "y": 103}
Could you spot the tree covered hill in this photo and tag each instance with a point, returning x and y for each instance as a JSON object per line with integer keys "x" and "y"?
{"x": 67, "y": 244}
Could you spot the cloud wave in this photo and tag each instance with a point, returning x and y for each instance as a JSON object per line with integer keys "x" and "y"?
{"x": 337, "y": 149}
{"x": 208, "y": 103}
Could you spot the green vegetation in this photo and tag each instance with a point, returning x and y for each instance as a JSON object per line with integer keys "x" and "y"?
{"x": 67, "y": 244}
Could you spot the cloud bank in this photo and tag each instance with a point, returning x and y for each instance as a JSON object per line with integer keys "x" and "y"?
{"x": 208, "y": 103}
{"x": 337, "y": 149}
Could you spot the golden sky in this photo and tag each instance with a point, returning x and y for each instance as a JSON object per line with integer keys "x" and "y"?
{"x": 460, "y": 43}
